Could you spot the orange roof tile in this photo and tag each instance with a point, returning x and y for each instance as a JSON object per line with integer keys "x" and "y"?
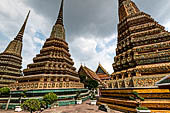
{"x": 91, "y": 73}
{"x": 103, "y": 77}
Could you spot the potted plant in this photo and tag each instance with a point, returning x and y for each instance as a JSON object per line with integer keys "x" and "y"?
{"x": 78, "y": 97}
{"x": 143, "y": 110}
{"x": 138, "y": 99}
{"x": 93, "y": 100}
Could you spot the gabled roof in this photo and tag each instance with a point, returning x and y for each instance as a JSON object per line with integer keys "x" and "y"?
{"x": 164, "y": 81}
{"x": 91, "y": 74}
{"x": 101, "y": 70}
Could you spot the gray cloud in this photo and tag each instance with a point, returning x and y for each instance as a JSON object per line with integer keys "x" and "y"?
{"x": 81, "y": 17}
{"x": 97, "y": 17}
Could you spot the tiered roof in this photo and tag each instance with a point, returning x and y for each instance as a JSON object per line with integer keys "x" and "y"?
{"x": 102, "y": 73}
{"x": 10, "y": 59}
{"x": 91, "y": 74}
{"x": 54, "y": 57}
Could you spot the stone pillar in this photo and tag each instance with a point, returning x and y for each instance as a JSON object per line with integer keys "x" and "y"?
{"x": 55, "y": 79}
{"x": 117, "y": 77}
{"x": 61, "y": 79}
{"x": 138, "y": 74}
{"x": 67, "y": 79}
{"x": 123, "y": 75}
{"x": 48, "y": 79}
{"x": 129, "y": 75}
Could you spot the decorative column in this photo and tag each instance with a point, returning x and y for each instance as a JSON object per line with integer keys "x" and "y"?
{"x": 123, "y": 75}
{"x": 138, "y": 74}
{"x": 55, "y": 79}
{"x": 41, "y": 79}
{"x": 48, "y": 79}
{"x": 67, "y": 79}
{"x": 129, "y": 74}
{"x": 61, "y": 79}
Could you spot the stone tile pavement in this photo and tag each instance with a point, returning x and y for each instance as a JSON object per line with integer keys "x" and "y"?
{"x": 83, "y": 108}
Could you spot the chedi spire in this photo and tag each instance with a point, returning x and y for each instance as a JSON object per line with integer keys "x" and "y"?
{"x": 15, "y": 46}
{"x": 10, "y": 59}
{"x": 58, "y": 30}
{"x": 21, "y": 32}
{"x": 60, "y": 15}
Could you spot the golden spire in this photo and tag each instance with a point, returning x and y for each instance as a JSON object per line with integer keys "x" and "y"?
{"x": 60, "y": 15}
{"x": 21, "y": 32}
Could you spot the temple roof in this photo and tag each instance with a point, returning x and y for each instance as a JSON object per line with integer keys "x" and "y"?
{"x": 90, "y": 73}
{"x": 100, "y": 70}
{"x": 102, "y": 73}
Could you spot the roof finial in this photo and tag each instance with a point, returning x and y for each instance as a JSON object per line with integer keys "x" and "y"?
{"x": 60, "y": 15}
{"x": 21, "y": 32}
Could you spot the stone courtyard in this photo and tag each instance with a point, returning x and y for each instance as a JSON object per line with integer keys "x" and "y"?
{"x": 83, "y": 108}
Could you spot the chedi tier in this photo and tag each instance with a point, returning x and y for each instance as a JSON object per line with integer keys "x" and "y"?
{"x": 142, "y": 53}
{"x": 53, "y": 67}
{"x": 11, "y": 60}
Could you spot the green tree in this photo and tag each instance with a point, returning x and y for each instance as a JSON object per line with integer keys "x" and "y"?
{"x": 50, "y": 98}
{"x": 92, "y": 84}
{"x": 43, "y": 104}
{"x": 5, "y": 91}
{"x": 31, "y": 105}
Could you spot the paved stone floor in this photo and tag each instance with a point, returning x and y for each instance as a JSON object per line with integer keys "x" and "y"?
{"x": 83, "y": 108}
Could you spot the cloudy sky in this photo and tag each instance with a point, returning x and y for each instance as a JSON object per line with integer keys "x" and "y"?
{"x": 91, "y": 26}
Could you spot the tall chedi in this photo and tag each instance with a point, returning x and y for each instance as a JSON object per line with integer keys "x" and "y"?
{"x": 142, "y": 53}
{"x": 53, "y": 67}
{"x": 11, "y": 59}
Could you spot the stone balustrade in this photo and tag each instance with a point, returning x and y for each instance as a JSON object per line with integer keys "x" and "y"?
{"x": 45, "y": 85}
{"x": 142, "y": 81}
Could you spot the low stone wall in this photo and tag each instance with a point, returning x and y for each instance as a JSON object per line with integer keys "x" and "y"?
{"x": 142, "y": 81}
{"x": 155, "y": 99}
{"x": 65, "y": 96}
